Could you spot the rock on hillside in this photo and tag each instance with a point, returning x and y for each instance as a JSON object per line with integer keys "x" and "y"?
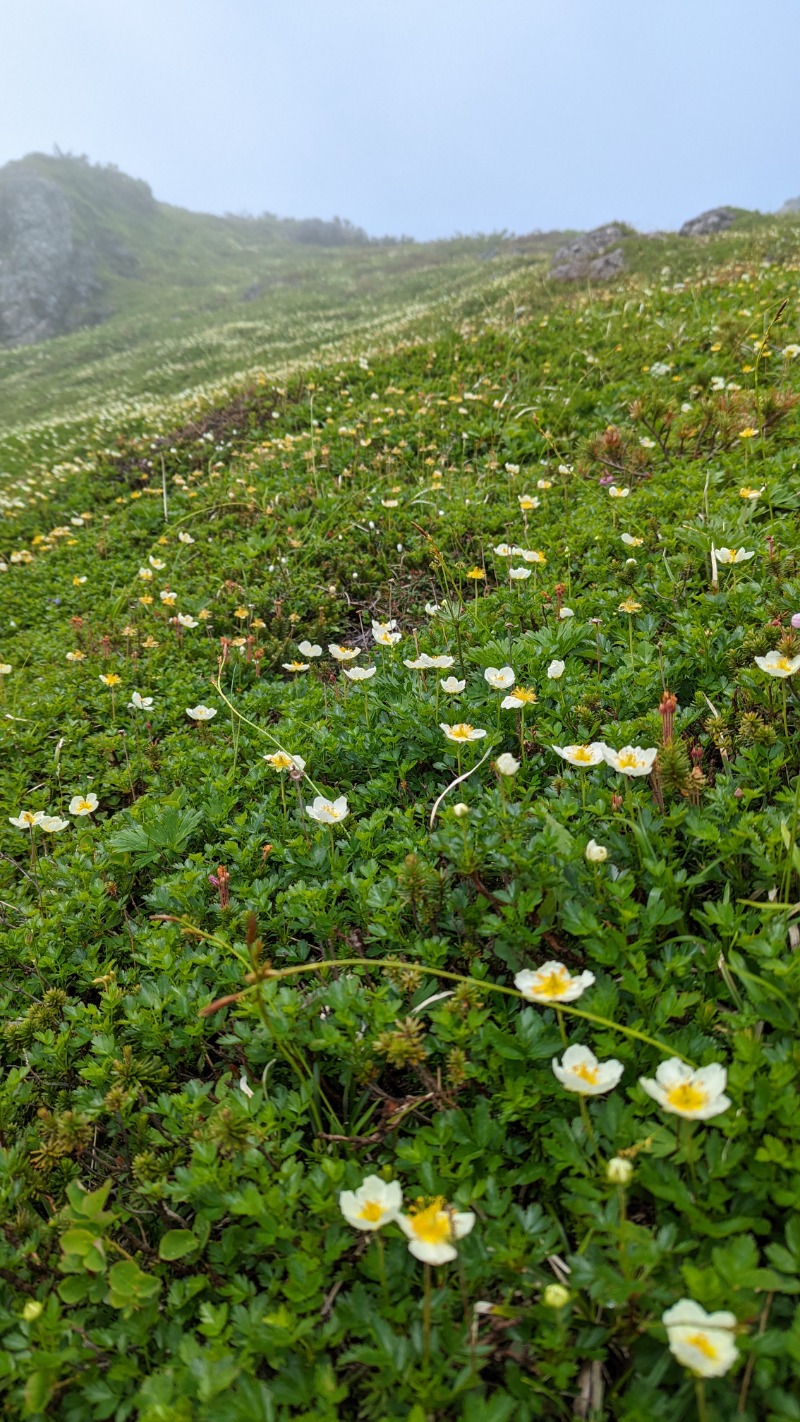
{"x": 717, "y": 219}
{"x": 46, "y": 276}
{"x": 593, "y": 256}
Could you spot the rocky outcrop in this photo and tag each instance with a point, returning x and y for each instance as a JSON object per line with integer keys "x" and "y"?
{"x": 46, "y": 277}
{"x": 791, "y": 205}
{"x": 717, "y": 219}
{"x": 591, "y": 257}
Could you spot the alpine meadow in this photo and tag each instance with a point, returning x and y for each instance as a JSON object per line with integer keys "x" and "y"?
{"x": 400, "y": 860}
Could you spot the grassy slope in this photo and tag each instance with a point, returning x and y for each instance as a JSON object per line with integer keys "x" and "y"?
{"x": 275, "y": 1309}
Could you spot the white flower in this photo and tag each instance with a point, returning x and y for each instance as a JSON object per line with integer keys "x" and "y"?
{"x": 359, "y": 673}
{"x": 596, "y": 853}
{"x": 432, "y": 608}
{"x": 702, "y": 1342}
{"x": 186, "y": 621}
{"x": 579, "y": 1070}
{"x": 552, "y": 983}
{"x": 565, "y": 613}
{"x": 504, "y": 550}
{"x": 185, "y": 537}
{"x": 732, "y": 555}
{"x": 157, "y": 563}
{"x": 460, "y": 810}
{"x": 388, "y": 626}
{"x": 343, "y": 654}
{"x": 660, "y": 367}
{"x": 433, "y": 1229}
{"x": 279, "y": 760}
{"x": 632, "y": 760}
{"x": 506, "y": 764}
{"x": 145, "y": 574}
{"x": 556, "y": 670}
{"x": 373, "y": 1204}
{"x": 519, "y": 575}
{"x": 462, "y": 731}
{"x": 328, "y": 812}
{"x": 631, "y": 541}
{"x": 309, "y": 649}
{"x": 531, "y": 555}
{"x": 441, "y": 662}
{"x": 527, "y": 502}
{"x": 5, "y": 668}
{"x": 452, "y": 685}
{"x": 583, "y": 756}
{"x": 201, "y": 713}
{"x": 696, "y": 1095}
{"x": 421, "y": 663}
{"x": 499, "y": 678}
{"x": 791, "y": 351}
{"x": 774, "y": 664}
{"x": 385, "y": 638}
{"x": 139, "y": 703}
{"x": 295, "y": 666}
{"x": 647, "y": 443}
{"x": 26, "y": 819}
{"x": 619, "y": 1171}
{"x": 616, "y": 493}
{"x": 83, "y": 804}
{"x": 53, "y": 824}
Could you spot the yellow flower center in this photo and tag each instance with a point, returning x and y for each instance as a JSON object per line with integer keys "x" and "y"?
{"x": 629, "y": 761}
{"x": 370, "y": 1211}
{"x": 586, "y": 1073}
{"x": 554, "y": 985}
{"x": 462, "y": 732}
{"x": 432, "y": 1224}
{"x": 525, "y": 695}
{"x": 784, "y": 664}
{"x": 84, "y": 805}
{"x": 686, "y": 1097}
{"x": 582, "y": 754}
{"x": 703, "y": 1344}
{"x": 280, "y": 761}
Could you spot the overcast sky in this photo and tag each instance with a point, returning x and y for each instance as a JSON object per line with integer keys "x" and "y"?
{"x": 427, "y": 117}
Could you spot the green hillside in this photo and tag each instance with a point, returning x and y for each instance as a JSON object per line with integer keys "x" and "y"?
{"x": 399, "y": 867}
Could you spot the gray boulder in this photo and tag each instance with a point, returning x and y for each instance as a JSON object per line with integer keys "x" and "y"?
{"x": 46, "y": 277}
{"x": 717, "y": 219}
{"x": 592, "y": 256}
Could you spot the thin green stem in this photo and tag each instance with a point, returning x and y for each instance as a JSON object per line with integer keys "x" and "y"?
{"x": 700, "y": 1396}
{"x": 426, "y": 1317}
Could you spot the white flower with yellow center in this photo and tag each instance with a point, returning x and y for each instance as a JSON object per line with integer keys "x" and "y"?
{"x": 702, "y": 1342}
{"x": 441, "y": 662}
{"x": 451, "y": 685}
{"x": 732, "y": 555}
{"x": 531, "y": 555}
{"x": 384, "y": 637}
{"x": 520, "y": 696}
{"x": 565, "y": 613}
{"x": 556, "y": 670}
{"x": 53, "y": 824}
{"x": 145, "y": 574}
{"x": 746, "y": 492}
{"x": 462, "y": 731}
{"x": 5, "y": 668}
{"x": 328, "y": 812}
{"x": 580, "y": 1071}
{"x": 185, "y": 538}
{"x": 167, "y": 597}
{"x": 631, "y": 760}
{"x": 432, "y": 1231}
{"x": 279, "y": 760}
{"x": 359, "y": 673}
{"x": 552, "y": 983}
{"x": 544, "y": 483}
{"x": 201, "y": 713}
{"x": 295, "y": 666}
{"x": 499, "y": 678}
{"x": 184, "y": 619}
{"x": 616, "y": 493}
{"x": 309, "y": 649}
{"x": 630, "y": 541}
{"x": 374, "y": 1204}
{"x": 503, "y": 550}
{"x": 26, "y": 819}
{"x": 583, "y": 756}
{"x": 139, "y": 702}
{"x": 695, "y": 1095}
{"x": 343, "y": 654}
{"x": 527, "y": 502}
{"x": 83, "y": 804}
{"x": 76, "y": 656}
{"x": 775, "y": 664}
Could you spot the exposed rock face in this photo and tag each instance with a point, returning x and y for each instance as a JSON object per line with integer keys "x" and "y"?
{"x": 791, "y": 205}
{"x": 592, "y": 256}
{"x": 715, "y": 220}
{"x": 45, "y": 277}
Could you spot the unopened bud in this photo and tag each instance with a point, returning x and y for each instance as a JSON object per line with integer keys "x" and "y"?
{"x": 555, "y": 1296}
{"x": 619, "y": 1171}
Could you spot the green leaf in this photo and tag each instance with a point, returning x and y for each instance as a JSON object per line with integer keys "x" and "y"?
{"x": 177, "y": 1242}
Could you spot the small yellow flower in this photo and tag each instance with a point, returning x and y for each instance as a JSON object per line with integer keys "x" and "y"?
{"x": 748, "y": 433}
{"x": 111, "y": 679}
{"x": 241, "y": 613}
{"x": 476, "y": 574}
{"x": 630, "y": 605}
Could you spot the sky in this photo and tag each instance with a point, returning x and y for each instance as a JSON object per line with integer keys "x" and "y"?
{"x": 423, "y": 117}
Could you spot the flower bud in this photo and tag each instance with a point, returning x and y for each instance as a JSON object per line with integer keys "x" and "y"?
{"x": 460, "y": 809}
{"x": 555, "y": 1296}
{"x": 596, "y": 853}
{"x": 506, "y": 764}
{"x": 619, "y": 1171}
{"x": 32, "y": 1310}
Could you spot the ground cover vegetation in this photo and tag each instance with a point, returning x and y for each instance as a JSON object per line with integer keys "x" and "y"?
{"x": 399, "y": 877}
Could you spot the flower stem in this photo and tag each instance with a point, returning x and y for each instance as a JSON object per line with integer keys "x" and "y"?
{"x": 700, "y": 1395}
{"x": 426, "y": 1318}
